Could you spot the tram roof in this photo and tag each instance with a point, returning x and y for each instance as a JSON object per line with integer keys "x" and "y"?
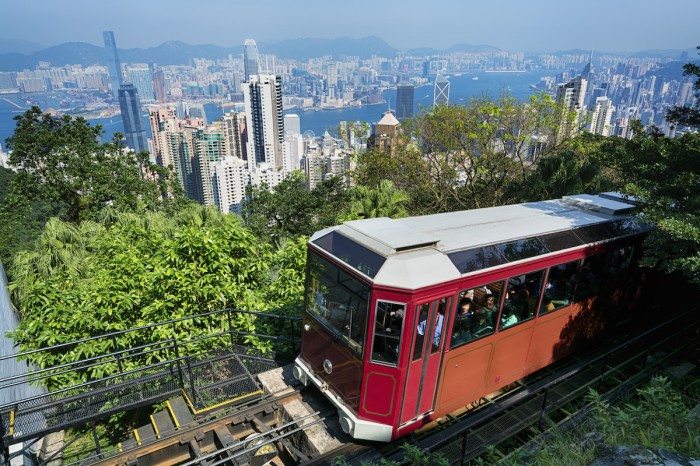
{"x": 417, "y": 251}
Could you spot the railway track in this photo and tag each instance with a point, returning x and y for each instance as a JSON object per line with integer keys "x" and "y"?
{"x": 254, "y": 433}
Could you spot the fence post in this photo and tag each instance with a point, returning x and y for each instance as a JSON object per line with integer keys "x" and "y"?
{"x": 177, "y": 363}
{"x": 98, "y": 450}
{"x": 544, "y": 405}
{"x": 189, "y": 372}
{"x": 230, "y": 330}
{"x": 116, "y": 355}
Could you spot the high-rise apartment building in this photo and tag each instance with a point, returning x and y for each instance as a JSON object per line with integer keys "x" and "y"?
{"x": 404, "y": 102}
{"x": 570, "y": 97}
{"x": 115, "y": 67}
{"x": 235, "y": 135}
{"x": 229, "y": 183}
{"x": 602, "y": 116}
{"x": 159, "y": 84}
{"x": 141, "y": 77}
{"x": 441, "y": 93}
{"x": 210, "y": 148}
{"x": 292, "y": 124}
{"x": 130, "y": 106}
{"x": 265, "y": 123}
{"x": 251, "y": 59}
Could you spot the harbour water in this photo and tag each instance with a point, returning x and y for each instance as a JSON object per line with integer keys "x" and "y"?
{"x": 462, "y": 89}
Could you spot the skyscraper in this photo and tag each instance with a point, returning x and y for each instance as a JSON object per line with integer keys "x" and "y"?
{"x": 115, "y": 67}
{"x": 251, "y": 59}
{"x": 292, "y": 124}
{"x": 140, "y": 76}
{"x": 158, "y": 83}
{"x": 602, "y": 116}
{"x": 570, "y": 97}
{"x": 441, "y": 94}
{"x": 265, "y": 123}
{"x": 404, "y": 102}
{"x": 130, "y": 106}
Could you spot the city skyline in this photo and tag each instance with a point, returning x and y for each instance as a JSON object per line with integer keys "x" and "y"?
{"x": 623, "y": 26}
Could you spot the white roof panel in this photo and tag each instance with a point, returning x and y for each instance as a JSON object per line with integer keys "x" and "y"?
{"x": 598, "y": 204}
{"x": 416, "y": 248}
{"x": 394, "y": 234}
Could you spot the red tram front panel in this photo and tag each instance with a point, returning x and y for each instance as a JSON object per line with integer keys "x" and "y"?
{"x": 343, "y": 375}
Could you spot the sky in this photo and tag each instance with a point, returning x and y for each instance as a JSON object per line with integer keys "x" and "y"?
{"x": 515, "y": 25}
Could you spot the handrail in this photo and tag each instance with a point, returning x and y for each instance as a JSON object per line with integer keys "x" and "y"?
{"x": 67, "y": 365}
{"x": 152, "y": 347}
{"x": 149, "y": 326}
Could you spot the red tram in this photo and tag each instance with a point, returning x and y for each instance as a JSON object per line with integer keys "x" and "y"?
{"x": 410, "y": 319}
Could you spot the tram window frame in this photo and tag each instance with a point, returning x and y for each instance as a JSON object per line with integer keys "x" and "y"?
{"x": 418, "y": 349}
{"x": 352, "y": 330}
{"x": 616, "y": 278}
{"x": 600, "y": 261}
{"x": 544, "y": 308}
{"x": 536, "y": 305}
{"x": 388, "y": 334}
{"x": 470, "y": 293}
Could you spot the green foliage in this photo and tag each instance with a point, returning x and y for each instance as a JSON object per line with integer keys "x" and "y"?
{"x": 574, "y": 167}
{"x": 463, "y": 157}
{"x": 664, "y": 173}
{"x": 129, "y": 270}
{"x": 657, "y": 419}
{"x": 290, "y": 210}
{"x": 61, "y": 161}
{"x": 688, "y": 116}
{"x": 383, "y": 201}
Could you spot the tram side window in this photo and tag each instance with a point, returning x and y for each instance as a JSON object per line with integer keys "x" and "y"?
{"x": 619, "y": 261}
{"x": 590, "y": 277}
{"x": 476, "y": 314}
{"x": 388, "y": 323}
{"x": 559, "y": 290}
{"x": 338, "y": 301}
{"x": 521, "y": 300}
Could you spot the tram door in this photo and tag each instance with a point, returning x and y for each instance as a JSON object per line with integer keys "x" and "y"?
{"x": 428, "y": 336}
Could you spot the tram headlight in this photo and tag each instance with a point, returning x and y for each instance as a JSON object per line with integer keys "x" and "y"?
{"x": 346, "y": 423}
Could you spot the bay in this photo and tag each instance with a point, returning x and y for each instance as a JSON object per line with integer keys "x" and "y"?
{"x": 462, "y": 89}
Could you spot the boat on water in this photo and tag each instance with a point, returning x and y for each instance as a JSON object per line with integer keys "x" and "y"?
{"x": 475, "y": 78}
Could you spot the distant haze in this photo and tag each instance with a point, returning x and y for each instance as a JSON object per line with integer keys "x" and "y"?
{"x": 517, "y": 25}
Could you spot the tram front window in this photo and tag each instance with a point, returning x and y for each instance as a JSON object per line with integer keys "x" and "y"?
{"x": 338, "y": 301}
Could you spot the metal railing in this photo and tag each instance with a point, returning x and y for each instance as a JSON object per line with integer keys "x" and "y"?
{"x": 140, "y": 368}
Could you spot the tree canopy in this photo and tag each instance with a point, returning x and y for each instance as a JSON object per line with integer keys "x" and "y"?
{"x": 129, "y": 270}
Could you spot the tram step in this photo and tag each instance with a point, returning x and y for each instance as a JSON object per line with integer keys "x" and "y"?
{"x": 144, "y": 434}
{"x": 179, "y": 411}
{"x": 162, "y": 423}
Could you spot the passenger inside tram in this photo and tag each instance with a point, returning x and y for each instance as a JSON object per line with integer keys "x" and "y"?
{"x": 476, "y": 314}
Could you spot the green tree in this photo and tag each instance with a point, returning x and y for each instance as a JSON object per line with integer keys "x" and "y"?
{"x": 664, "y": 174}
{"x": 688, "y": 116}
{"x": 129, "y": 270}
{"x": 574, "y": 167}
{"x": 463, "y": 157}
{"x": 383, "y": 201}
{"x": 62, "y": 162}
{"x": 289, "y": 209}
